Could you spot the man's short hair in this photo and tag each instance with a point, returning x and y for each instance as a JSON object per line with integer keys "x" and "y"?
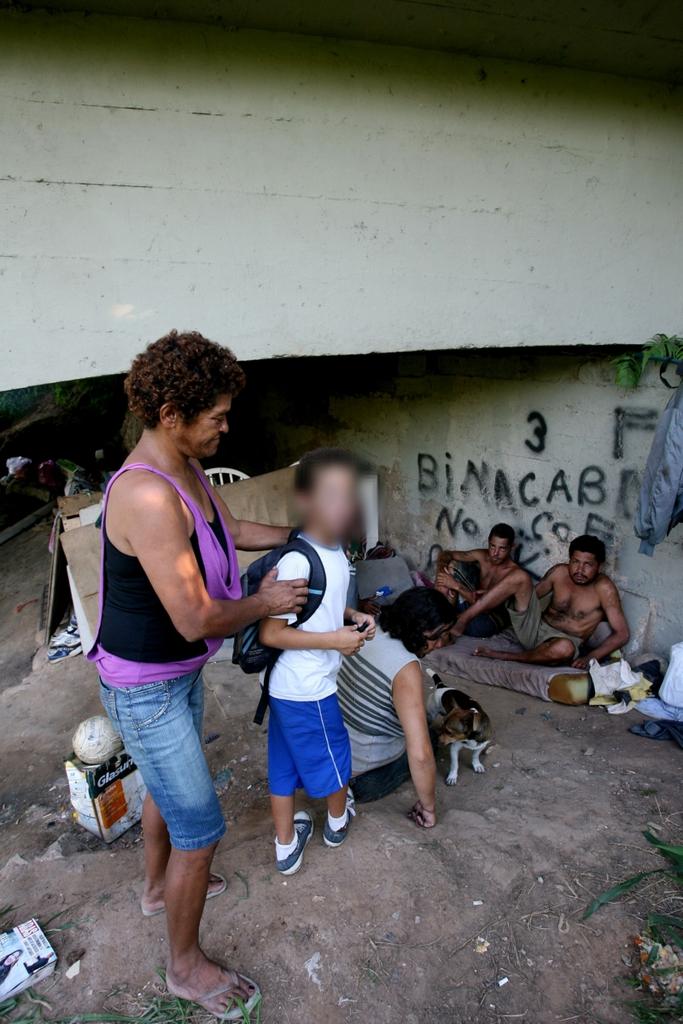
{"x": 504, "y": 532}
{"x": 590, "y": 545}
{"x": 183, "y": 368}
{"x": 312, "y": 463}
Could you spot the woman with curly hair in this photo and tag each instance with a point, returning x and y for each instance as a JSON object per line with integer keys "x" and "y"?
{"x": 169, "y": 594}
{"x": 382, "y": 701}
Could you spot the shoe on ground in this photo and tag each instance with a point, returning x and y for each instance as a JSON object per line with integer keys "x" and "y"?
{"x": 69, "y": 636}
{"x": 60, "y": 653}
{"x": 331, "y": 838}
{"x": 303, "y": 828}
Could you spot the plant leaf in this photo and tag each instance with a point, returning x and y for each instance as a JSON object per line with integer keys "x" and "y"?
{"x": 672, "y": 853}
{"x": 628, "y": 369}
{"x": 618, "y": 890}
{"x": 630, "y": 366}
{"x": 666, "y": 927}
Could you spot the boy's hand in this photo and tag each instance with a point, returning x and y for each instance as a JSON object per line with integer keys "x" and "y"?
{"x": 368, "y": 621}
{"x": 348, "y": 640}
{"x": 282, "y": 596}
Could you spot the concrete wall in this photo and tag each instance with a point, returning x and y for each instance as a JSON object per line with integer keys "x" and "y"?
{"x": 294, "y": 196}
{"x": 543, "y": 441}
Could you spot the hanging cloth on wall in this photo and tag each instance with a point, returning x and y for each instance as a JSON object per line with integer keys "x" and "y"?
{"x": 661, "y": 496}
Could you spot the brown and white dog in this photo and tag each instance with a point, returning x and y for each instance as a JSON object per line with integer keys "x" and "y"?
{"x": 460, "y": 722}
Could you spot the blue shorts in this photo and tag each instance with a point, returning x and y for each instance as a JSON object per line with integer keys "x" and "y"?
{"x": 161, "y": 727}
{"x": 308, "y": 747}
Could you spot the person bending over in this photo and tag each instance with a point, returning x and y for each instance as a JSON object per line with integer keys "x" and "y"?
{"x": 382, "y": 701}
{"x": 556, "y": 617}
{"x": 308, "y": 745}
{"x": 466, "y": 576}
{"x": 170, "y": 592}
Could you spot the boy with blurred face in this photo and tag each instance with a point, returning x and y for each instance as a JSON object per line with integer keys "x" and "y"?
{"x": 308, "y": 744}
{"x": 479, "y": 571}
{"x": 562, "y": 612}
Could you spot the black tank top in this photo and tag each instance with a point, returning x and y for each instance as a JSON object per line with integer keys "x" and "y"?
{"x": 135, "y": 624}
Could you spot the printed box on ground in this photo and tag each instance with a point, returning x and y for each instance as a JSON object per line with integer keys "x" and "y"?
{"x": 26, "y": 957}
{"x": 106, "y": 798}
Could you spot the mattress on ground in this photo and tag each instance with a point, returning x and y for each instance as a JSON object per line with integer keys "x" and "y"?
{"x": 537, "y": 680}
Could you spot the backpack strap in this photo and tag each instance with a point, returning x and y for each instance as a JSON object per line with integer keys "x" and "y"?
{"x": 317, "y": 581}
{"x": 264, "y": 699}
{"x": 317, "y": 585}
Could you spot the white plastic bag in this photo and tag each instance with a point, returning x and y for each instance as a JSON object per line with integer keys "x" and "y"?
{"x": 616, "y": 675}
{"x": 671, "y": 690}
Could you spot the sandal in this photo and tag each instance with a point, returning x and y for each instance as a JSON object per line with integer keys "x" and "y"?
{"x": 240, "y": 1011}
{"x": 210, "y": 895}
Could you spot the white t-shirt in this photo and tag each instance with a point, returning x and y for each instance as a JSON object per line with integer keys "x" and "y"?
{"x": 312, "y": 675}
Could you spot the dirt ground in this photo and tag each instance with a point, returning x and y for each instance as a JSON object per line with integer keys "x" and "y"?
{"x": 399, "y": 925}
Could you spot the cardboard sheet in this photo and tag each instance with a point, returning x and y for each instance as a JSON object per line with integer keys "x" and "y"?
{"x": 261, "y": 499}
{"x": 82, "y": 550}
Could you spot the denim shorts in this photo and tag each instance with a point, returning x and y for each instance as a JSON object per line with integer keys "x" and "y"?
{"x": 161, "y": 727}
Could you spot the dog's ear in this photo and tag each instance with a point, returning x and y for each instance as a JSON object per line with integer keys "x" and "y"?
{"x": 460, "y": 713}
{"x": 452, "y": 723}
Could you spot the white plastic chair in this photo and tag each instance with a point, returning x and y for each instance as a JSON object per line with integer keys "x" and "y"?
{"x": 220, "y": 475}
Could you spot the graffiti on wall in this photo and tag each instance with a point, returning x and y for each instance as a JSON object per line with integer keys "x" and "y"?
{"x": 546, "y": 504}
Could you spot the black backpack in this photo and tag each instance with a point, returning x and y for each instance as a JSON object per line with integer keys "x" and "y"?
{"x": 248, "y": 651}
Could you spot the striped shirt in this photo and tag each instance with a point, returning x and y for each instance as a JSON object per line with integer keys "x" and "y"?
{"x": 365, "y": 690}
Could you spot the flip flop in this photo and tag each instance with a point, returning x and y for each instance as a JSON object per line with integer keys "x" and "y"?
{"x": 237, "y": 1013}
{"x": 209, "y": 896}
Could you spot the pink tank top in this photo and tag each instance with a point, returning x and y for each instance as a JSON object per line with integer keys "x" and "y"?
{"x": 218, "y": 567}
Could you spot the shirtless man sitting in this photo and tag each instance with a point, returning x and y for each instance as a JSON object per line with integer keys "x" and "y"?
{"x": 482, "y": 570}
{"x": 554, "y": 619}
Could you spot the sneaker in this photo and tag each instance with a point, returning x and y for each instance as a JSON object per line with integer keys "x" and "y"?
{"x": 303, "y": 827}
{"x": 331, "y": 838}
{"x": 67, "y": 637}
{"x": 65, "y": 651}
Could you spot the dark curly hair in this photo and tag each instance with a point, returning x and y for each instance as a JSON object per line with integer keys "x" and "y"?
{"x": 590, "y": 545}
{"x": 183, "y": 368}
{"x": 414, "y": 613}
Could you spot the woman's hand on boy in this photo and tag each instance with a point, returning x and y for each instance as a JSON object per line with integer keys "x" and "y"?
{"x": 282, "y": 596}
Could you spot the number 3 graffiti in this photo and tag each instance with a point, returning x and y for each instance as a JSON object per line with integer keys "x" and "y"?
{"x": 540, "y": 431}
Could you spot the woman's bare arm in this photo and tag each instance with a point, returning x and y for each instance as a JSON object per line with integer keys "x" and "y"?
{"x": 409, "y": 704}
{"x": 152, "y": 522}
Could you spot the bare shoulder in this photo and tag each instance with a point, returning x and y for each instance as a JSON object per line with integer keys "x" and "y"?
{"x": 143, "y": 493}
{"x": 557, "y": 572}
{"x": 606, "y": 588}
{"x": 409, "y": 679}
{"x": 518, "y": 573}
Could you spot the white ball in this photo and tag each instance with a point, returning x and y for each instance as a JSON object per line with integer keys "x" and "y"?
{"x": 96, "y": 740}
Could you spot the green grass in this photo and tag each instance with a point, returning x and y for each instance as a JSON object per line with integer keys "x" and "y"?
{"x": 160, "y": 1009}
{"x": 674, "y": 869}
{"x": 663, "y": 928}
{"x": 646, "y": 1013}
